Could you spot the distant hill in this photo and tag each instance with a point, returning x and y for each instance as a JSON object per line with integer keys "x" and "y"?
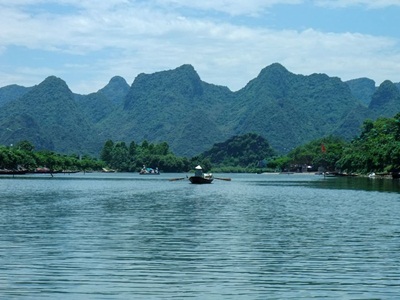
{"x": 291, "y": 109}
{"x": 244, "y": 151}
{"x": 12, "y": 92}
{"x": 49, "y": 117}
{"x": 386, "y": 100}
{"x": 176, "y": 106}
{"x": 362, "y": 89}
{"x": 115, "y": 90}
{"x": 173, "y": 106}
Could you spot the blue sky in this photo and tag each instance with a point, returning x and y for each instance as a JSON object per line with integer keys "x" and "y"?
{"x": 228, "y": 42}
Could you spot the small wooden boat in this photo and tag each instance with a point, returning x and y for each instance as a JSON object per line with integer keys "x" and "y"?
{"x": 200, "y": 178}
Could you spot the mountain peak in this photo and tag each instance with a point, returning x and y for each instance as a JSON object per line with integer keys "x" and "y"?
{"x": 273, "y": 69}
{"x": 116, "y": 89}
{"x": 362, "y": 88}
{"x": 386, "y": 92}
{"x": 54, "y": 79}
{"x": 117, "y": 80}
{"x": 180, "y": 83}
{"x": 276, "y": 66}
{"x": 53, "y": 82}
{"x": 273, "y": 78}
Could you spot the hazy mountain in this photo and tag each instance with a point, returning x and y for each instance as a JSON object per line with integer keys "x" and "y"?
{"x": 115, "y": 90}
{"x": 173, "y": 106}
{"x": 96, "y": 106}
{"x": 386, "y": 100}
{"x": 49, "y": 117}
{"x": 362, "y": 89}
{"x": 290, "y": 109}
{"x": 11, "y": 92}
{"x": 176, "y": 106}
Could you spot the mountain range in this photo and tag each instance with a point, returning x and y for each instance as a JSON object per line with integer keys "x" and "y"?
{"x": 191, "y": 115}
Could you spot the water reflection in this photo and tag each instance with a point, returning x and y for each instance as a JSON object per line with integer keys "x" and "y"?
{"x": 316, "y": 181}
{"x": 257, "y": 237}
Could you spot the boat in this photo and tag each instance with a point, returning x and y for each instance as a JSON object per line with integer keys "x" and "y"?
{"x": 395, "y": 174}
{"x": 149, "y": 171}
{"x": 200, "y": 177}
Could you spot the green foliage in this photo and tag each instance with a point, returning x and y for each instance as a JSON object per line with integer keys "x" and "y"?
{"x": 245, "y": 151}
{"x": 49, "y": 116}
{"x": 23, "y": 156}
{"x": 122, "y": 158}
{"x": 11, "y": 92}
{"x": 376, "y": 149}
{"x": 176, "y": 106}
{"x": 25, "y": 145}
{"x": 362, "y": 89}
{"x": 324, "y": 152}
{"x": 320, "y": 153}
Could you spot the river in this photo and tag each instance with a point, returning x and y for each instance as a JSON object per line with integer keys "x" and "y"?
{"x": 126, "y": 236}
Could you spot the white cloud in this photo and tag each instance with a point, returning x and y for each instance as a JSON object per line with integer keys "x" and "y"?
{"x": 232, "y": 7}
{"x": 126, "y": 38}
{"x": 372, "y": 4}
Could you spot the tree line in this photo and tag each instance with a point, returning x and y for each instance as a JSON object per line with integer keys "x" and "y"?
{"x": 119, "y": 156}
{"x": 22, "y": 156}
{"x": 376, "y": 149}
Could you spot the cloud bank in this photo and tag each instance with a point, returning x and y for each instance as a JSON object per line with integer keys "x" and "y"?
{"x": 86, "y": 42}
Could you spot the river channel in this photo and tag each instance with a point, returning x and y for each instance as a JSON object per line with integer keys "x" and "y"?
{"x": 126, "y": 236}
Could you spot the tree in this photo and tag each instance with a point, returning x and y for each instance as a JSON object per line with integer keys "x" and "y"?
{"x": 324, "y": 152}
{"x": 106, "y": 152}
{"x": 377, "y": 149}
{"x": 25, "y": 145}
{"x": 120, "y": 157}
{"x": 132, "y": 148}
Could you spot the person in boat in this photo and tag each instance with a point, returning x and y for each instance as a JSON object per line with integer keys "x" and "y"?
{"x": 143, "y": 170}
{"x": 198, "y": 171}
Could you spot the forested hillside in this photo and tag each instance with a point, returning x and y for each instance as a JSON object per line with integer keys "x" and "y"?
{"x": 49, "y": 117}
{"x": 177, "y": 107}
{"x": 11, "y": 92}
{"x": 362, "y": 89}
{"x": 290, "y": 109}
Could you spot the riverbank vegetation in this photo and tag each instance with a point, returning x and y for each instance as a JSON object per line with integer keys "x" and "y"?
{"x": 377, "y": 149}
{"x": 22, "y": 156}
{"x": 121, "y": 157}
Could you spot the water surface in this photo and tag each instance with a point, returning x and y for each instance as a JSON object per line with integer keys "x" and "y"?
{"x": 125, "y": 236}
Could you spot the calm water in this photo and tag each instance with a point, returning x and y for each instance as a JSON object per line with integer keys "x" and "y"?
{"x": 125, "y": 236}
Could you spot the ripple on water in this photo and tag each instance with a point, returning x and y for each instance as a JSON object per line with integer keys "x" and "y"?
{"x": 252, "y": 238}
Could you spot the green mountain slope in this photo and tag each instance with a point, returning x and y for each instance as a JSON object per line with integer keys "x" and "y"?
{"x": 48, "y": 116}
{"x": 173, "y": 106}
{"x": 12, "y": 92}
{"x": 386, "y": 100}
{"x": 290, "y": 109}
{"x": 176, "y": 106}
{"x": 244, "y": 151}
{"x": 362, "y": 89}
{"x": 115, "y": 90}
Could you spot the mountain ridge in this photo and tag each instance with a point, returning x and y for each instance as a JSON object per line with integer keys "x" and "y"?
{"x": 176, "y": 106}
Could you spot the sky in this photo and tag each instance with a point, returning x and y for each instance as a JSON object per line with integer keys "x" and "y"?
{"x": 228, "y": 42}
